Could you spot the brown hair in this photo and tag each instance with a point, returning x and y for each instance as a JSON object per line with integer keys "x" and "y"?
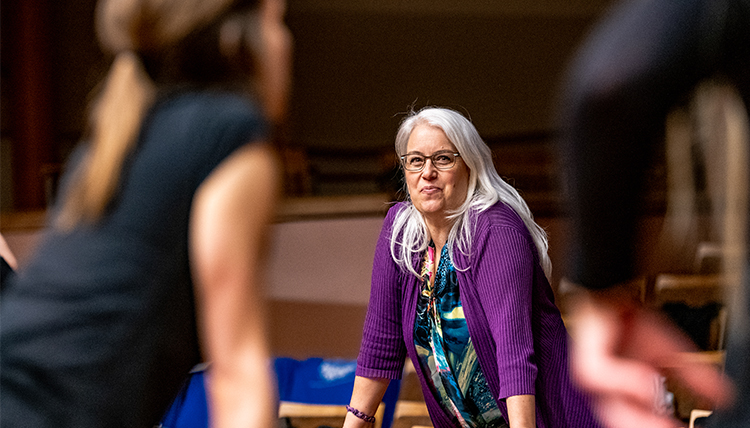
{"x": 154, "y": 43}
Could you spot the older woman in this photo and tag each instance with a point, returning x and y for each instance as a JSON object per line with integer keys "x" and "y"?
{"x": 459, "y": 284}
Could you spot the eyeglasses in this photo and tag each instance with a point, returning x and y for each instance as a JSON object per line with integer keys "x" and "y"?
{"x": 415, "y": 162}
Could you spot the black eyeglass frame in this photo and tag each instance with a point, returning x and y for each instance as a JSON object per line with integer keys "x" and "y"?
{"x": 432, "y": 159}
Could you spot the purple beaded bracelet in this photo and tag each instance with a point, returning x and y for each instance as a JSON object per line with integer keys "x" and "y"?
{"x": 360, "y": 414}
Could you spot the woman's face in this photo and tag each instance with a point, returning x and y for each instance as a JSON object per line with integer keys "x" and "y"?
{"x": 435, "y": 192}
{"x": 275, "y": 59}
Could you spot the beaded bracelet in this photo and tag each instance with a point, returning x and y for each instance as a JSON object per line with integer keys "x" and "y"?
{"x": 360, "y": 414}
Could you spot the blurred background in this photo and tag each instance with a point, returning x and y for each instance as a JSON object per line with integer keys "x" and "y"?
{"x": 359, "y": 65}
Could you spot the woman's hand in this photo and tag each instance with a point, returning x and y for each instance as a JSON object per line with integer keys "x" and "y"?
{"x": 620, "y": 351}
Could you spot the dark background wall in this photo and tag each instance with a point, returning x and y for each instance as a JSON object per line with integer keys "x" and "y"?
{"x": 362, "y": 69}
{"x": 359, "y": 65}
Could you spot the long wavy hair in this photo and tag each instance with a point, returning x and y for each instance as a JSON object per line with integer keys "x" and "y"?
{"x": 155, "y": 43}
{"x": 410, "y": 234}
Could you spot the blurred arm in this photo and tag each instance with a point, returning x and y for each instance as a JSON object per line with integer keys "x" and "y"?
{"x": 228, "y": 228}
{"x": 633, "y": 69}
{"x": 7, "y": 254}
{"x": 619, "y": 352}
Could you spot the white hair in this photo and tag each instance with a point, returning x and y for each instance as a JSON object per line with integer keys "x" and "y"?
{"x": 485, "y": 189}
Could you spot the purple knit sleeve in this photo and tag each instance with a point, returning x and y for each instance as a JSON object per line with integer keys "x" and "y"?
{"x": 504, "y": 273}
{"x": 382, "y": 352}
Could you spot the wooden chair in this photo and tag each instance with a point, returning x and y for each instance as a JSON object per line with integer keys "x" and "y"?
{"x": 708, "y": 258}
{"x": 410, "y": 414}
{"x": 636, "y": 286}
{"x": 411, "y": 410}
{"x": 315, "y": 415}
{"x": 405, "y": 408}
{"x": 315, "y": 392}
{"x": 694, "y": 291}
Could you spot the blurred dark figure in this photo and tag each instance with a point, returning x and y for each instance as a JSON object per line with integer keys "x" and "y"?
{"x": 151, "y": 260}
{"x": 639, "y": 62}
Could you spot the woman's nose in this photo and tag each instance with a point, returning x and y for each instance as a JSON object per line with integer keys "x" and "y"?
{"x": 429, "y": 169}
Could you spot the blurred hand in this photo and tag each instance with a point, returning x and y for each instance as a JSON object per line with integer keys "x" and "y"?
{"x": 619, "y": 352}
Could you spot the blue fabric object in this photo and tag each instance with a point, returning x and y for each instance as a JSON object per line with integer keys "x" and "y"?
{"x": 311, "y": 381}
{"x": 325, "y": 381}
{"x": 315, "y": 380}
{"x": 189, "y": 409}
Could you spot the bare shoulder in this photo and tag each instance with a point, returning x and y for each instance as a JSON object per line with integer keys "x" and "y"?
{"x": 234, "y": 204}
{"x": 246, "y": 183}
{"x": 250, "y": 169}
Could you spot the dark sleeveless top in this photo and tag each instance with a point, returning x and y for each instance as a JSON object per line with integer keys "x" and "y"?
{"x": 99, "y": 329}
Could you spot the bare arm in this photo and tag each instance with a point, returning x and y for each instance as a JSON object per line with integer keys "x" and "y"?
{"x": 7, "y": 253}
{"x": 228, "y": 227}
{"x": 521, "y": 411}
{"x": 366, "y": 397}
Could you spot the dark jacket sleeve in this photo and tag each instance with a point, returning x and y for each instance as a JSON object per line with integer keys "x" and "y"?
{"x": 637, "y": 64}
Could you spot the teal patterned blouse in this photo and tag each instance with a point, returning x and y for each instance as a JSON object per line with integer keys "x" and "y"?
{"x": 445, "y": 349}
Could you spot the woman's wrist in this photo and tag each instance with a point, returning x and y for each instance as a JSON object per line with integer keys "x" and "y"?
{"x": 360, "y": 414}
{"x": 352, "y": 421}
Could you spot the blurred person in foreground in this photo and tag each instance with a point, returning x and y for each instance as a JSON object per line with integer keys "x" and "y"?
{"x": 8, "y": 262}
{"x": 151, "y": 262}
{"x": 460, "y": 285}
{"x": 639, "y": 62}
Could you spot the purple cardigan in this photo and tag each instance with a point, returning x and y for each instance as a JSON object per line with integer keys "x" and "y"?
{"x": 516, "y": 328}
